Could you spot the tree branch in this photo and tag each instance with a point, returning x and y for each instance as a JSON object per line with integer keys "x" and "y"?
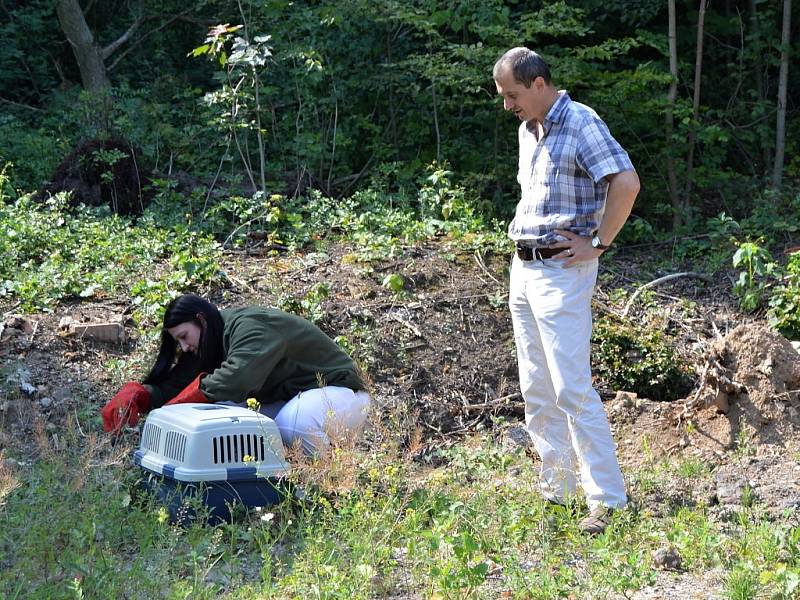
{"x": 19, "y": 105}
{"x": 112, "y": 47}
{"x": 656, "y": 282}
{"x": 142, "y": 38}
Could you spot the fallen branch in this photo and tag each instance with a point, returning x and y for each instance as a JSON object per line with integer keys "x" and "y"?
{"x": 19, "y": 105}
{"x": 403, "y": 322}
{"x": 658, "y": 281}
{"x": 493, "y": 403}
{"x": 479, "y": 259}
{"x": 236, "y": 281}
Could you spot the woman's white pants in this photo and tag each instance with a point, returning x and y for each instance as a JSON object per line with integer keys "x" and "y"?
{"x": 315, "y": 418}
{"x": 551, "y": 313}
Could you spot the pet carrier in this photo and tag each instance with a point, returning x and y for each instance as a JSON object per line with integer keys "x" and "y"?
{"x": 220, "y": 455}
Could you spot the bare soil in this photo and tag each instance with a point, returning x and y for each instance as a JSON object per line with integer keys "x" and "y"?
{"x": 441, "y": 363}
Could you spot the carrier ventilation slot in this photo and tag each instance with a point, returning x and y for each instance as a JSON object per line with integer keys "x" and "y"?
{"x": 175, "y": 445}
{"x": 151, "y": 437}
{"x": 233, "y": 448}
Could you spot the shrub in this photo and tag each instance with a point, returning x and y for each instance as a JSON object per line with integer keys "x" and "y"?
{"x": 638, "y": 360}
{"x": 784, "y": 304}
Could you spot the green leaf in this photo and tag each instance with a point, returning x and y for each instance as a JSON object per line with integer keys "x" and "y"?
{"x": 200, "y": 50}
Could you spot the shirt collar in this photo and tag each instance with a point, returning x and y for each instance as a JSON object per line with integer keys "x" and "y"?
{"x": 555, "y": 113}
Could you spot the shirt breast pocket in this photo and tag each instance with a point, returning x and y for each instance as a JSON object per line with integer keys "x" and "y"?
{"x": 547, "y": 174}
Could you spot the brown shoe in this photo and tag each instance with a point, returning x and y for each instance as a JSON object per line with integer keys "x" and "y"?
{"x": 597, "y": 521}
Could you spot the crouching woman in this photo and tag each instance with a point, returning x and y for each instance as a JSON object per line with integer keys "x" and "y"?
{"x": 299, "y": 376}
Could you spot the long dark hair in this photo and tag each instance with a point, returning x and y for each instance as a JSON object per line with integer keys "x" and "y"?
{"x": 182, "y": 310}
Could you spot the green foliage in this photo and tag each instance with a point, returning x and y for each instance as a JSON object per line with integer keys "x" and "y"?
{"x": 340, "y": 89}
{"x": 394, "y": 282}
{"x": 783, "y": 579}
{"x": 372, "y": 523}
{"x": 784, "y": 301}
{"x": 310, "y": 305}
{"x": 638, "y": 360}
{"x": 107, "y": 159}
{"x": 49, "y": 253}
{"x": 33, "y": 152}
{"x": 379, "y": 223}
{"x": 756, "y": 264}
{"x": 237, "y": 102}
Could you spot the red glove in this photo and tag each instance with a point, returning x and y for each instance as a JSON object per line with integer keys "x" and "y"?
{"x": 191, "y": 393}
{"x": 126, "y": 405}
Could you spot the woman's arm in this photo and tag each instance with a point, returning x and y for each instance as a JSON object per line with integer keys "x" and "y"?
{"x": 254, "y": 350}
{"x": 181, "y": 375}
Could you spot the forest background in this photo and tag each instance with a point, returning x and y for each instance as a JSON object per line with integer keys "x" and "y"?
{"x": 338, "y": 96}
{"x": 231, "y": 118}
{"x": 350, "y": 161}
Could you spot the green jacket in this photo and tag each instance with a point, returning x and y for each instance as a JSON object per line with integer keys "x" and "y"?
{"x": 269, "y": 355}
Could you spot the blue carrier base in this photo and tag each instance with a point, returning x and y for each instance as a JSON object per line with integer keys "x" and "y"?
{"x": 220, "y": 497}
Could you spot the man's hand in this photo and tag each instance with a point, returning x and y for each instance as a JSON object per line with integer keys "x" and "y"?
{"x": 577, "y": 248}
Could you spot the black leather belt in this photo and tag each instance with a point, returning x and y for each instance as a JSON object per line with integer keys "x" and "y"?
{"x": 527, "y": 253}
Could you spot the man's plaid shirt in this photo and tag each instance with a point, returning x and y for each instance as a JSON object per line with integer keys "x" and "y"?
{"x": 562, "y": 175}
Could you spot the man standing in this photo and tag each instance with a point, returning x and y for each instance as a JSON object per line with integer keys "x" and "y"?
{"x": 578, "y": 188}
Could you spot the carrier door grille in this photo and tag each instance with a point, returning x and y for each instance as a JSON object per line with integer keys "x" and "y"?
{"x": 175, "y": 445}
{"x": 151, "y": 436}
{"x": 233, "y": 448}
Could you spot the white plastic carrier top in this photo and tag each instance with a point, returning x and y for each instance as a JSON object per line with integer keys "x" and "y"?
{"x": 211, "y": 442}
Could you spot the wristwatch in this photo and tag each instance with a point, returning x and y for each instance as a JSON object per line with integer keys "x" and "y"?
{"x": 596, "y": 243}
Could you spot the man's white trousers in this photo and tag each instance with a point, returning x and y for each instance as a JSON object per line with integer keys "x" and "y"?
{"x": 551, "y": 313}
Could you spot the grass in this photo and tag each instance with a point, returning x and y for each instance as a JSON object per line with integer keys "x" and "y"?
{"x": 374, "y": 524}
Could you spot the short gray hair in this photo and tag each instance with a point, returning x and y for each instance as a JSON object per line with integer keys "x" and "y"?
{"x": 525, "y": 66}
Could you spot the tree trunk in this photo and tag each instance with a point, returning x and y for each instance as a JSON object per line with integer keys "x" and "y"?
{"x": 87, "y": 53}
{"x": 672, "y": 179}
{"x": 698, "y": 70}
{"x": 783, "y": 79}
{"x": 758, "y": 72}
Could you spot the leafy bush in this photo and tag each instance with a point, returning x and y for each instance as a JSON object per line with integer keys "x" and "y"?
{"x": 310, "y": 306}
{"x": 784, "y": 304}
{"x": 638, "y": 360}
{"x": 32, "y": 150}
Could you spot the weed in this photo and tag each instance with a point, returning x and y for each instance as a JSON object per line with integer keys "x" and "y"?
{"x": 749, "y": 497}
{"x": 741, "y": 584}
{"x": 394, "y": 282}
{"x": 784, "y": 307}
{"x": 310, "y": 305}
{"x": 692, "y": 467}
{"x": 498, "y": 300}
{"x": 743, "y": 445}
{"x": 371, "y": 523}
{"x": 783, "y": 580}
{"x": 757, "y": 264}
{"x": 50, "y": 253}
